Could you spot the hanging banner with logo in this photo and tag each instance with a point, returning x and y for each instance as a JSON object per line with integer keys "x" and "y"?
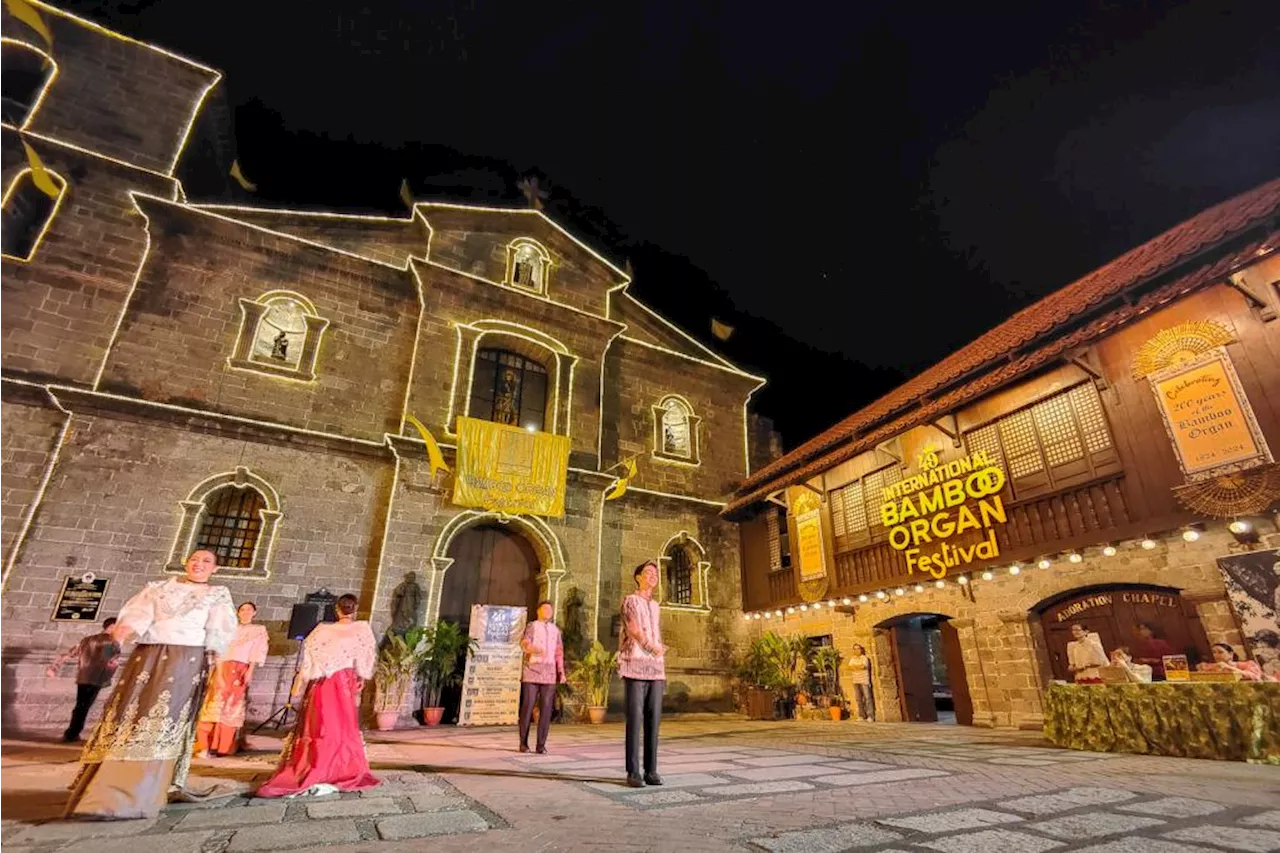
{"x": 491, "y": 684}
{"x": 511, "y": 470}
{"x": 1208, "y": 416}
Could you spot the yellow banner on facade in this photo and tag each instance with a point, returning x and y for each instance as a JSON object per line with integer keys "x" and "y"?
{"x": 508, "y": 469}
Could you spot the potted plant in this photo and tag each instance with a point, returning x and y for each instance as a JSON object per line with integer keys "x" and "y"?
{"x": 397, "y": 661}
{"x": 445, "y": 648}
{"x": 826, "y": 665}
{"x": 770, "y": 669}
{"x": 592, "y": 676}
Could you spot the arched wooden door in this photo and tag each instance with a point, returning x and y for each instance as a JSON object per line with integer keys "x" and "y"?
{"x": 1113, "y": 612}
{"x": 491, "y": 565}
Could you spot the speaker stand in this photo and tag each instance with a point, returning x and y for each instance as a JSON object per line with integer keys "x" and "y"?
{"x": 280, "y": 716}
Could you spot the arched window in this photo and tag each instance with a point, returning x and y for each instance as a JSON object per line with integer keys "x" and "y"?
{"x": 680, "y": 572}
{"x": 279, "y": 334}
{"x": 675, "y": 431}
{"x": 234, "y": 515}
{"x": 508, "y": 388}
{"x": 26, "y": 73}
{"x": 231, "y": 525}
{"x": 528, "y": 265}
{"x": 28, "y": 212}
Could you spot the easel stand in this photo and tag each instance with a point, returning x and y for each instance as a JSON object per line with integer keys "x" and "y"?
{"x": 280, "y": 716}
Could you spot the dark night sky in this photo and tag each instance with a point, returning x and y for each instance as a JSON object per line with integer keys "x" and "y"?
{"x": 879, "y": 182}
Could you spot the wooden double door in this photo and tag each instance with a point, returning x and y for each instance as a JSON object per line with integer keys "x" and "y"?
{"x": 1113, "y": 612}
{"x": 930, "y": 669}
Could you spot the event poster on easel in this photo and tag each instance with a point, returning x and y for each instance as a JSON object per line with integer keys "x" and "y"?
{"x": 491, "y": 685}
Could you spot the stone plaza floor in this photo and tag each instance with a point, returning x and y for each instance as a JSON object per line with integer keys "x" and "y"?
{"x": 731, "y": 785}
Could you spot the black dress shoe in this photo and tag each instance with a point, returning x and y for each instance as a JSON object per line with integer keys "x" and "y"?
{"x": 524, "y": 747}
{"x": 635, "y": 782}
{"x": 542, "y": 750}
{"x": 652, "y": 779}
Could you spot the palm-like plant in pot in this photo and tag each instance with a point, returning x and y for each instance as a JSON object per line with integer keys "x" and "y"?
{"x": 398, "y": 660}
{"x": 826, "y": 663}
{"x": 445, "y": 655}
{"x": 592, "y": 676}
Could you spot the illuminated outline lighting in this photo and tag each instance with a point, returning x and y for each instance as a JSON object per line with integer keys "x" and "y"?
{"x": 48, "y": 221}
{"x": 544, "y": 286}
{"x": 48, "y": 80}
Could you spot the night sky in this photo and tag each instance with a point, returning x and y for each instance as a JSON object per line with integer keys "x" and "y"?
{"x": 859, "y": 188}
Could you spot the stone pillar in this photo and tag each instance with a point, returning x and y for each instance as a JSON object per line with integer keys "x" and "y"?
{"x": 975, "y": 672}
{"x": 1216, "y": 615}
{"x": 884, "y": 678}
{"x": 1020, "y": 673}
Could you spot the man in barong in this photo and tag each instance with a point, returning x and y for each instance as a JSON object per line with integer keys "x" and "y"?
{"x": 141, "y": 751}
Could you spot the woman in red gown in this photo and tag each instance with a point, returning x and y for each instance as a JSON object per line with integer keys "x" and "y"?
{"x": 325, "y": 750}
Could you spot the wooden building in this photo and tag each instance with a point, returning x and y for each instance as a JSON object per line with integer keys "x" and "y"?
{"x": 1102, "y": 456}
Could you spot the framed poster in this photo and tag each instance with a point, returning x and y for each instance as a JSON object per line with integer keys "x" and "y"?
{"x": 80, "y": 599}
{"x": 1208, "y": 417}
{"x": 491, "y": 682}
{"x": 809, "y": 552}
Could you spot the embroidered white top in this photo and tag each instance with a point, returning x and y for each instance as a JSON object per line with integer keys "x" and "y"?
{"x": 335, "y": 646}
{"x": 178, "y": 613}
{"x": 249, "y": 645}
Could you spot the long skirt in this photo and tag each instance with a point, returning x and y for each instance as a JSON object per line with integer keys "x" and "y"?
{"x": 325, "y": 747}
{"x": 222, "y": 715}
{"x": 142, "y": 747}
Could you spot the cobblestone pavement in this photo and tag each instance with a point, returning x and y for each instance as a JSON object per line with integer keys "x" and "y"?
{"x": 731, "y": 785}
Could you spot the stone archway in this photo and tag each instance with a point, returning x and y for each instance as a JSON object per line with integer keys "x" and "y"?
{"x": 542, "y": 543}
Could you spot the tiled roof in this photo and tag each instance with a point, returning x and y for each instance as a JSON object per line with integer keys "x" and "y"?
{"x": 1002, "y": 351}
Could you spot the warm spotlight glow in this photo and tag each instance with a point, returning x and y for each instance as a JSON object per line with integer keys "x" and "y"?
{"x": 791, "y": 610}
{"x": 899, "y": 591}
{"x": 1015, "y": 569}
{"x": 940, "y": 584}
{"x": 1109, "y": 551}
{"x": 880, "y": 594}
{"x": 863, "y": 598}
{"x": 803, "y": 608}
{"x": 1045, "y": 563}
{"x": 986, "y": 576}
{"x": 1190, "y": 534}
{"x": 962, "y": 580}
{"x": 919, "y": 587}
{"x": 846, "y": 601}
{"x": 1148, "y": 544}
{"x": 1239, "y": 526}
{"x": 1075, "y": 557}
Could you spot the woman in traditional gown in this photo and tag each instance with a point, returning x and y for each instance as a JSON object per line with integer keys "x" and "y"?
{"x": 141, "y": 750}
{"x": 222, "y": 717}
{"x": 325, "y": 750}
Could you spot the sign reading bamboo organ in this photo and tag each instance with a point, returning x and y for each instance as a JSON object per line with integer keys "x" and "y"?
{"x": 1208, "y": 417}
{"x": 945, "y": 500}
{"x": 511, "y": 470}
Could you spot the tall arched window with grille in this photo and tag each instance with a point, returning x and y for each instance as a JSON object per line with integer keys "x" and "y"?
{"x": 27, "y": 71}
{"x": 675, "y": 431}
{"x": 509, "y": 388}
{"x": 681, "y": 570}
{"x": 231, "y": 525}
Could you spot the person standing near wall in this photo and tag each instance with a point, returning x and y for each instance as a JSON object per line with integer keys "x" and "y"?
{"x": 221, "y": 725}
{"x": 543, "y": 650}
{"x": 642, "y": 665}
{"x": 97, "y": 657}
{"x": 860, "y": 678}
{"x": 1085, "y": 654}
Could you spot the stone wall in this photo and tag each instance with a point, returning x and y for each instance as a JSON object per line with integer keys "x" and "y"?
{"x": 1002, "y": 644}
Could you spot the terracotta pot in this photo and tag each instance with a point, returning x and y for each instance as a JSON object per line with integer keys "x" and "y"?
{"x": 596, "y": 714}
{"x": 836, "y": 712}
{"x": 432, "y": 716}
{"x": 386, "y": 720}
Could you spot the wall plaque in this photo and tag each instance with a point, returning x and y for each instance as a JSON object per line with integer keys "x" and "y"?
{"x": 1208, "y": 417}
{"x": 813, "y": 564}
{"x": 80, "y": 599}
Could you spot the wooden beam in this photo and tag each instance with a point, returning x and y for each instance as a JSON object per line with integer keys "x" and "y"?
{"x": 1265, "y": 311}
{"x": 951, "y": 431}
{"x": 1086, "y": 361}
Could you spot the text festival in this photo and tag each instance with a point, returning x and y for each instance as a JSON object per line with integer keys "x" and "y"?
{"x": 931, "y": 508}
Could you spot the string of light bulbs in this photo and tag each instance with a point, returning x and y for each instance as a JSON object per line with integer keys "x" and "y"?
{"x": 1242, "y": 529}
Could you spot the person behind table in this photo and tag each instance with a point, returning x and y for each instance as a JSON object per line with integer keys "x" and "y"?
{"x": 543, "y": 669}
{"x": 1225, "y": 659}
{"x": 860, "y": 678}
{"x": 221, "y": 724}
{"x": 325, "y": 751}
{"x": 1121, "y": 657}
{"x": 642, "y": 665}
{"x": 1150, "y": 649}
{"x": 97, "y": 657}
{"x": 1085, "y": 655}
{"x": 141, "y": 751}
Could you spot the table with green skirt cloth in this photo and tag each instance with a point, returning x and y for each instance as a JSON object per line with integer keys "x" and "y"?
{"x": 1232, "y": 721}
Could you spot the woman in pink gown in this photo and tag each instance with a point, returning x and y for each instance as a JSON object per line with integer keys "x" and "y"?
{"x": 326, "y": 748}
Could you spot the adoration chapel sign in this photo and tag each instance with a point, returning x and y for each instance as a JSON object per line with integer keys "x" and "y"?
{"x": 942, "y": 502}
{"x": 510, "y": 470}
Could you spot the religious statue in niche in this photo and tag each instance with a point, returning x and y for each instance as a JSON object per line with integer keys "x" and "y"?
{"x": 280, "y": 333}
{"x": 406, "y": 604}
{"x": 506, "y": 403}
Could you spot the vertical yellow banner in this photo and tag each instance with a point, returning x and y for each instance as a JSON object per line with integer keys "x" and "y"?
{"x": 508, "y": 469}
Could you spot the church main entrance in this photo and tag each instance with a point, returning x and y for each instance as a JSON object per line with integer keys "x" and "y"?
{"x": 492, "y": 564}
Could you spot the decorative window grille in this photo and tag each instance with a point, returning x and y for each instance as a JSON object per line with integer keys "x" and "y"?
{"x": 675, "y": 429}
{"x": 509, "y": 389}
{"x": 680, "y": 573}
{"x": 231, "y": 525}
{"x": 779, "y": 540}
{"x": 855, "y": 509}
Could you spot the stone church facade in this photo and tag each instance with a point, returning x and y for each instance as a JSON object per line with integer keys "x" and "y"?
{"x": 178, "y": 374}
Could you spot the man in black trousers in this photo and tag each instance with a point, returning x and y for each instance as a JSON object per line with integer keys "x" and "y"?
{"x": 642, "y": 665}
{"x": 97, "y": 657}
